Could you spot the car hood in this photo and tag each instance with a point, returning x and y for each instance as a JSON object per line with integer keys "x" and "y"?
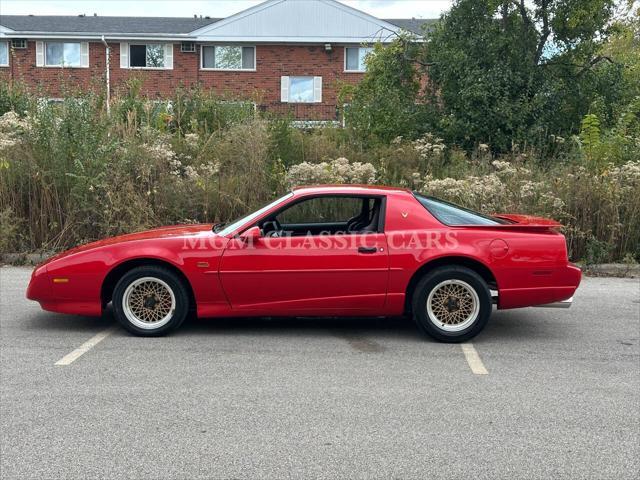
{"x": 153, "y": 234}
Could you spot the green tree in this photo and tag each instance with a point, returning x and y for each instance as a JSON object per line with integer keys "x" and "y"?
{"x": 384, "y": 104}
{"x": 619, "y": 70}
{"x": 610, "y": 132}
{"x": 508, "y": 70}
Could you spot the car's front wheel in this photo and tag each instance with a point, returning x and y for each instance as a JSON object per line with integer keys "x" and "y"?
{"x": 451, "y": 304}
{"x": 150, "y": 301}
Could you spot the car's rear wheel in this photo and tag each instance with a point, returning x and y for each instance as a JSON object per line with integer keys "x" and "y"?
{"x": 150, "y": 301}
{"x": 451, "y": 304}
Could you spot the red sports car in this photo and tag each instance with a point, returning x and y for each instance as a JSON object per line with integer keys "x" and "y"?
{"x": 321, "y": 251}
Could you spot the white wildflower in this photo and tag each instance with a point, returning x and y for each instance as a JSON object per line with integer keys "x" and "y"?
{"x": 190, "y": 172}
{"x": 209, "y": 169}
{"x": 339, "y": 170}
{"x": 192, "y": 139}
{"x": 160, "y": 150}
{"x": 428, "y": 146}
{"x": 12, "y": 129}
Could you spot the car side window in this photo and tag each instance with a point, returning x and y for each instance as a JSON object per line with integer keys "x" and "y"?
{"x": 326, "y": 215}
{"x": 320, "y": 210}
{"x": 454, "y": 215}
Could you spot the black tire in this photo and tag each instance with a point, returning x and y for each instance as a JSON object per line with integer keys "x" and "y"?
{"x": 434, "y": 278}
{"x": 170, "y": 279}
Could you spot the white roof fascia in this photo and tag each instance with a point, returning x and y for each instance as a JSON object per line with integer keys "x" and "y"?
{"x": 95, "y": 36}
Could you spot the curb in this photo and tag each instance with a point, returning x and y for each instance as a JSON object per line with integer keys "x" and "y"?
{"x": 26, "y": 259}
{"x": 620, "y": 270}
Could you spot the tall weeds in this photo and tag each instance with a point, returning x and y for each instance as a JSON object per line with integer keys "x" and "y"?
{"x": 70, "y": 174}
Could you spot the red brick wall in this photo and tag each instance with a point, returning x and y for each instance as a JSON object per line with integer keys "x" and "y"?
{"x": 53, "y": 81}
{"x": 262, "y": 86}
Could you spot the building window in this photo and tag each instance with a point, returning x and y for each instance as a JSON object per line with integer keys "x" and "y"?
{"x": 188, "y": 47}
{"x": 59, "y": 54}
{"x": 19, "y": 43}
{"x": 62, "y": 54}
{"x": 354, "y": 60}
{"x": 301, "y": 89}
{"x": 4, "y": 54}
{"x": 146, "y": 56}
{"x": 228, "y": 57}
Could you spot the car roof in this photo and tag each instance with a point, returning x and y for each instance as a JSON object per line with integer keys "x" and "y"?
{"x": 349, "y": 189}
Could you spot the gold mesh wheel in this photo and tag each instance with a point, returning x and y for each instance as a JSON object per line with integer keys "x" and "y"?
{"x": 453, "y": 305}
{"x": 149, "y": 303}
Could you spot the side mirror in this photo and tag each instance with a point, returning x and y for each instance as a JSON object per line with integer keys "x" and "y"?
{"x": 251, "y": 235}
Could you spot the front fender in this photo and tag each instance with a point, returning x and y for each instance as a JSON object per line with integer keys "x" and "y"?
{"x": 75, "y": 280}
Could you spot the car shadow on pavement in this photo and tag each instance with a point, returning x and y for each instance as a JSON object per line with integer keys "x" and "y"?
{"x": 58, "y": 322}
{"x": 347, "y": 327}
{"x": 516, "y": 325}
{"x": 521, "y": 325}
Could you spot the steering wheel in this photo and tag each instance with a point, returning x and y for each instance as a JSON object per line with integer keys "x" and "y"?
{"x": 272, "y": 228}
{"x": 356, "y": 224}
{"x": 352, "y": 222}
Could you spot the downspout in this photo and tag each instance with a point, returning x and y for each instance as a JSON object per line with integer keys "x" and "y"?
{"x": 107, "y": 55}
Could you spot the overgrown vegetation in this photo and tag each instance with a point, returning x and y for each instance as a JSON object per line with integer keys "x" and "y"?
{"x": 70, "y": 173}
{"x": 503, "y": 73}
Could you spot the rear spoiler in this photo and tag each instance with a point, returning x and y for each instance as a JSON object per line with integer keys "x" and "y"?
{"x": 522, "y": 222}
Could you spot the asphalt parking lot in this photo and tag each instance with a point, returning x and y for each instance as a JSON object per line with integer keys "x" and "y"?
{"x": 555, "y": 394}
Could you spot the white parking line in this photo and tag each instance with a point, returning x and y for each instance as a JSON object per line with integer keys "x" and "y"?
{"x": 473, "y": 359}
{"x": 85, "y": 347}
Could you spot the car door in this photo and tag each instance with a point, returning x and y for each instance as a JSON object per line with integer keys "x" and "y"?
{"x": 330, "y": 272}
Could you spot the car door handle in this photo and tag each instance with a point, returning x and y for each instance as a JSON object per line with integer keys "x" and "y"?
{"x": 367, "y": 249}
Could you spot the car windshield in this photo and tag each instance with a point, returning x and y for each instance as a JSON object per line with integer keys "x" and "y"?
{"x": 453, "y": 215}
{"x": 234, "y": 225}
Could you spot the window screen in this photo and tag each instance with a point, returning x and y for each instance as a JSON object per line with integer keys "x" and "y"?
{"x": 248, "y": 58}
{"x": 352, "y": 58}
{"x": 356, "y": 58}
{"x": 226, "y": 57}
{"x": 59, "y": 54}
{"x": 4, "y": 53}
{"x": 55, "y": 54}
{"x": 208, "y": 57}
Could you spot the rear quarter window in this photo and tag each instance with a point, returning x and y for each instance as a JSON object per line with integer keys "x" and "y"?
{"x": 454, "y": 215}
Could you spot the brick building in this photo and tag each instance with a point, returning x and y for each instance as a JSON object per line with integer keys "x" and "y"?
{"x": 283, "y": 55}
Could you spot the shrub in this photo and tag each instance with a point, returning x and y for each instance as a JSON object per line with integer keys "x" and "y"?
{"x": 339, "y": 170}
{"x": 9, "y": 230}
{"x": 13, "y": 97}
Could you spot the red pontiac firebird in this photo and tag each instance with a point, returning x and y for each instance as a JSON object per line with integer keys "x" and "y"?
{"x": 321, "y": 251}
